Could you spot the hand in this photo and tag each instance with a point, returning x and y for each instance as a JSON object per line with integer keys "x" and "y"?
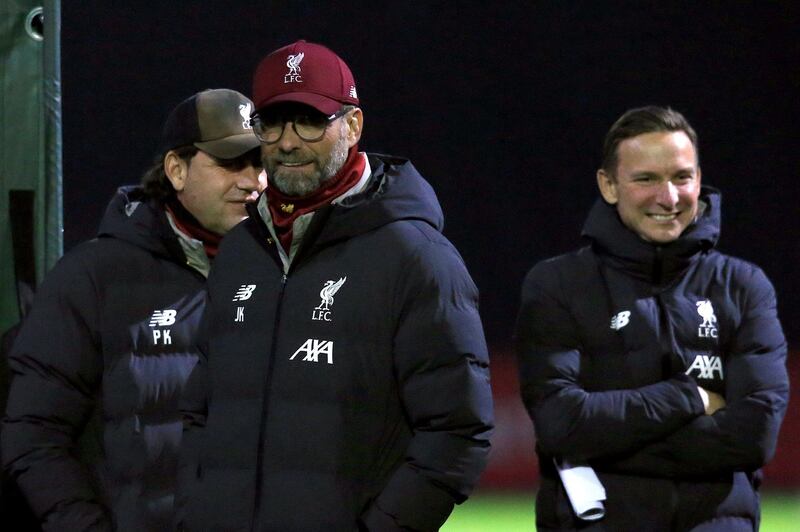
{"x": 711, "y": 401}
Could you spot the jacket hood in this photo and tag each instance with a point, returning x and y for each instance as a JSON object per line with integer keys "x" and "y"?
{"x": 396, "y": 191}
{"x": 134, "y": 217}
{"x": 625, "y": 249}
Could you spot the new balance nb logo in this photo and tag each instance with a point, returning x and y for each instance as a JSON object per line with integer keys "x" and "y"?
{"x": 244, "y": 292}
{"x": 163, "y": 318}
{"x": 313, "y": 348}
{"x": 706, "y": 366}
{"x": 620, "y": 320}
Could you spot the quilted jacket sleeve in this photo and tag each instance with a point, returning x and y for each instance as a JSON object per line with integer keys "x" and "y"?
{"x": 442, "y": 367}
{"x": 57, "y": 370}
{"x": 743, "y": 435}
{"x": 570, "y": 421}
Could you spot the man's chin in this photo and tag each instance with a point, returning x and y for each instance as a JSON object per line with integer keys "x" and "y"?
{"x": 295, "y": 185}
{"x": 228, "y": 222}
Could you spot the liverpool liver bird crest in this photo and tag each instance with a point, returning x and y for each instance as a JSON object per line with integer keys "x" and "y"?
{"x": 327, "y": 292}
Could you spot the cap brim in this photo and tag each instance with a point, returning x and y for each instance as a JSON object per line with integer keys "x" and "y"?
{"x": 321, "y": 103}
{"x": 230, "y": 147}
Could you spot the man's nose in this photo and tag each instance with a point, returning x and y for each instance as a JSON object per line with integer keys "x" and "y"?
{"x": 252, "y": 179}
{"x": 289, "y": 140}
{"x": 667, "y": 194}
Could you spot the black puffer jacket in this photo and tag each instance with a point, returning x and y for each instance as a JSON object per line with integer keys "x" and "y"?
{"x": 92, "y": 427}
{"x": 354, "y": 388}
{"x": 613, "y": 340}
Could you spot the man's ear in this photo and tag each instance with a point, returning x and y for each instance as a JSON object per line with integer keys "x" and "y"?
{"x": 608, "y": 187}
{"x": 176, "y": 170}
{"x": 355, "y": 122}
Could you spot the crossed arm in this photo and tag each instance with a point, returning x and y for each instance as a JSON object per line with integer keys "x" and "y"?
{"x": 743, "y": 435}
{"x": 571, "y": 421}
{"x": 662, "y": 429}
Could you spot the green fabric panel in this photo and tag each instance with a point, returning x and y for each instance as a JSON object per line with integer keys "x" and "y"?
{"x": 53, "y": 246}
{"x": 22, "y": 146}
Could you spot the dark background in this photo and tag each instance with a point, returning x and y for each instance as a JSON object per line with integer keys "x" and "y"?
{"x": 501, "y": 105}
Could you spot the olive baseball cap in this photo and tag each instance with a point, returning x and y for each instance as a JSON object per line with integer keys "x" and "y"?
{"x": 216, "y": 121}
{"x": 307, "y": 73}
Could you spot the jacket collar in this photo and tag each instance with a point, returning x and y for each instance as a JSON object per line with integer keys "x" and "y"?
{"x": 621, "y": 248}
{"x": 393, "y": 191}
{"x": 136, "y": 218}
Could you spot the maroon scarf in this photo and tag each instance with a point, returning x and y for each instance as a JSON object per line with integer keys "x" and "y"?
{"x": 189, "y": 225}
{"x": 285, "y": 209}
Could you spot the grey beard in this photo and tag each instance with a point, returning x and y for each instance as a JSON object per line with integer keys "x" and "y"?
{"x": 305, "y": 185}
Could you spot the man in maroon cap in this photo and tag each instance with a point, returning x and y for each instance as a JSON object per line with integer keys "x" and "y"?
{"x": 92, "y": 429}
{"x": 344, "y": 380}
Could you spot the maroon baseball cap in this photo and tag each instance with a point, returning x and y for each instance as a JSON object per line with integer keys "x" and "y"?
{"x": 307, "y": 73}
{"x": 215, "y": 120}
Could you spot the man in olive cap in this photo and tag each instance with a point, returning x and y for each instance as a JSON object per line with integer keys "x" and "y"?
{"x": 92, "y": 429}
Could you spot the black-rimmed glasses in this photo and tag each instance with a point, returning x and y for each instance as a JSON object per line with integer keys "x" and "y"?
{"x": 309, "y": 126}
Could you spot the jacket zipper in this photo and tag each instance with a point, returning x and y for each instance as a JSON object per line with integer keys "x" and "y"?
{"x": 658, "y": 267}
{"x": 671, "y": 360}
{"x": 264, "y": 402}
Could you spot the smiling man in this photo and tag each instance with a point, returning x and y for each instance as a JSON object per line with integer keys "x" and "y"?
{"x": 344, "y": 382}
{"x": 652, "y": 366}
{"x": 655, "y": 185}
{"x": 92, "y": 429}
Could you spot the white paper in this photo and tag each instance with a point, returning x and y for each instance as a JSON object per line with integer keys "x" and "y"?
{"x": 585, "y": 492}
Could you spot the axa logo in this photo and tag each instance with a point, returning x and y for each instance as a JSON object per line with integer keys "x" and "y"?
{"x": 708, "y": 327}
{"x": 313, "y": 348}
{"x": 322, "y": 311}
{"x": 621, "y": 320}
{"x": 244, "y": 110}
{"x": 162, "y": 318}
{"x": 244, "y": 292}
{"x": 293, "y": 64}
{"x": 706, "y": 366}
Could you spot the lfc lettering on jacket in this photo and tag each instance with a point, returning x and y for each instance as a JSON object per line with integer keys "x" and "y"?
{"x": 707, "y": 329}
{"x": 321, "y": 315}
{"x": 707, "y": 332}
